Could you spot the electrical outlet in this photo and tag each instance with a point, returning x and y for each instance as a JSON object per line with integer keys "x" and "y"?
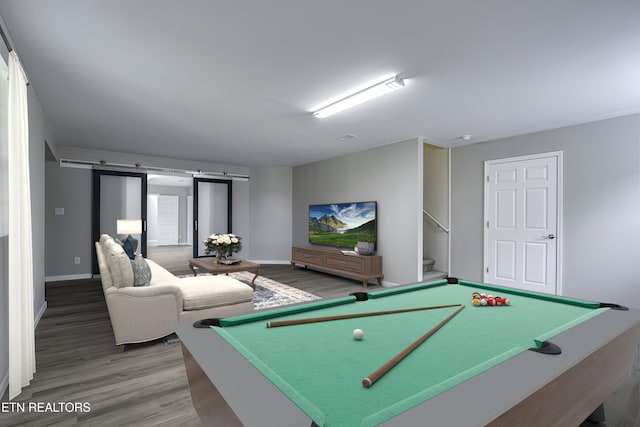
{"x": 77, "y": 260}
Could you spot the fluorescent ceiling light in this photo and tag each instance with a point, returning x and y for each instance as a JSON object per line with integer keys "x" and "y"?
{"x": 382, "y": 87}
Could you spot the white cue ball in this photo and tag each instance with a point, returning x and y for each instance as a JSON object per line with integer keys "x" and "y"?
{"x": 358, "y": 334}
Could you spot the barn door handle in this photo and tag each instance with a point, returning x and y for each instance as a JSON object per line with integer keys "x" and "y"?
{"x": 549, "y": 236}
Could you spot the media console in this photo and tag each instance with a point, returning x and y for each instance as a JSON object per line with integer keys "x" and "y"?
{"x": 334, "y": 261}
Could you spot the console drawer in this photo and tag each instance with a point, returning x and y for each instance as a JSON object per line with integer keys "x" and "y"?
{"x": 351, "y": 263}
{"x": 302, "y": 256}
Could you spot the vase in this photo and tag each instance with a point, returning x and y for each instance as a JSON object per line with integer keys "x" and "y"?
{"x": 365, "y": 248}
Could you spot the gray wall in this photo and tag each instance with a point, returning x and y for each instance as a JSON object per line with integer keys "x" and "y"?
{"x": 601, "y": 239}
{"x": 69, "y": 189}
{"x": 271, "y": 214}
{"x": 390, "y": 175}
{"x": 39, "y": 136}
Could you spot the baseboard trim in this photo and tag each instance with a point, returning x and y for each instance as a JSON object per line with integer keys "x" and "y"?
{"x": 387, "y": 284}
{"x": 4, "y": 384}
{"x": 67, "y": 277}
{"x": 39, "y": 314}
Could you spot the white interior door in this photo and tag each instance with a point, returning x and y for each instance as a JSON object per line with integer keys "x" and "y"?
{"x": 152, "y": 219}
{"x": 522, "y": 220}
{"x": 168, "y": 220}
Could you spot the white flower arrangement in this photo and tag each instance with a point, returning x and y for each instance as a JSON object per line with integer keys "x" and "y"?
{"x": 223, "y": 244}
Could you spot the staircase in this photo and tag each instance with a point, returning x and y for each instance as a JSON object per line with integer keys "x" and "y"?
{"x": 428, "y": 273}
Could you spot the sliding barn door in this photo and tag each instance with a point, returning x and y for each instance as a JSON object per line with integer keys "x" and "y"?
{"x": 118, "y": 195}
{"x": 211, "y": 211}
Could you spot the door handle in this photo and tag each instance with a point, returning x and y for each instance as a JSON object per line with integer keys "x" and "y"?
{"x": 549, "y": 236}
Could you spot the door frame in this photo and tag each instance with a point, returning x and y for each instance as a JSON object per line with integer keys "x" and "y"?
{"x": 559, "y": 155}
{"x": 197, "y": 181}
{"x": 95, "y": 210}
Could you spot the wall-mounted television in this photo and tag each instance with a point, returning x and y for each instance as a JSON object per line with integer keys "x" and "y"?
{"x": 343, "y": 225}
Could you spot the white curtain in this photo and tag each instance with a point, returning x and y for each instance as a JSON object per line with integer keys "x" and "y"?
{"x": 22, "y": 358}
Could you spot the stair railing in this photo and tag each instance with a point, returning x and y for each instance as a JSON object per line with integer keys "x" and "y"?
{"x": 435, "y": 221}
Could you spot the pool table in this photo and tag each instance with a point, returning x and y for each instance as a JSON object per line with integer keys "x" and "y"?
{"x": 488, "y": 365}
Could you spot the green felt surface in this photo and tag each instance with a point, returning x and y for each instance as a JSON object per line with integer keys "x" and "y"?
{"x": 320, "y": 366}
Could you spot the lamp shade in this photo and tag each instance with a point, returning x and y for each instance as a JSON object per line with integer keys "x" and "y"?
{"x": 129, "y": 226}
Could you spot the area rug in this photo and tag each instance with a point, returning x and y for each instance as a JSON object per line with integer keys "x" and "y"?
{"x": 270, "y": 293}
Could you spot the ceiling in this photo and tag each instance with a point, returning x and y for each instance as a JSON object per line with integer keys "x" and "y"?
{"x": 235, "y": 81}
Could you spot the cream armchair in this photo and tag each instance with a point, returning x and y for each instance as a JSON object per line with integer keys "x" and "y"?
{"x": 145, "y": 313}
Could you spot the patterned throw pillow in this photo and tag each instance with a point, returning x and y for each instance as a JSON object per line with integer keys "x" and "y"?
{"x": 141, "y": 271}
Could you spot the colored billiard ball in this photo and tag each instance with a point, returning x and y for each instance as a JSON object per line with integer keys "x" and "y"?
{"x": 358, "y": 334}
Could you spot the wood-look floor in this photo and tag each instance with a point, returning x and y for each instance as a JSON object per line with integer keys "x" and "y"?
{"x": 146, "y": 386}
{"x": 172, "y": 257}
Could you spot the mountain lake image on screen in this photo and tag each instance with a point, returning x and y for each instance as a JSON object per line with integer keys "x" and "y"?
{"x": 342, "y": 225}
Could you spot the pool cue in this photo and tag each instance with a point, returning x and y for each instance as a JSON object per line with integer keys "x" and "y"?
{"x": 368, "y": 381}
{"x": 352, "y": 316}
